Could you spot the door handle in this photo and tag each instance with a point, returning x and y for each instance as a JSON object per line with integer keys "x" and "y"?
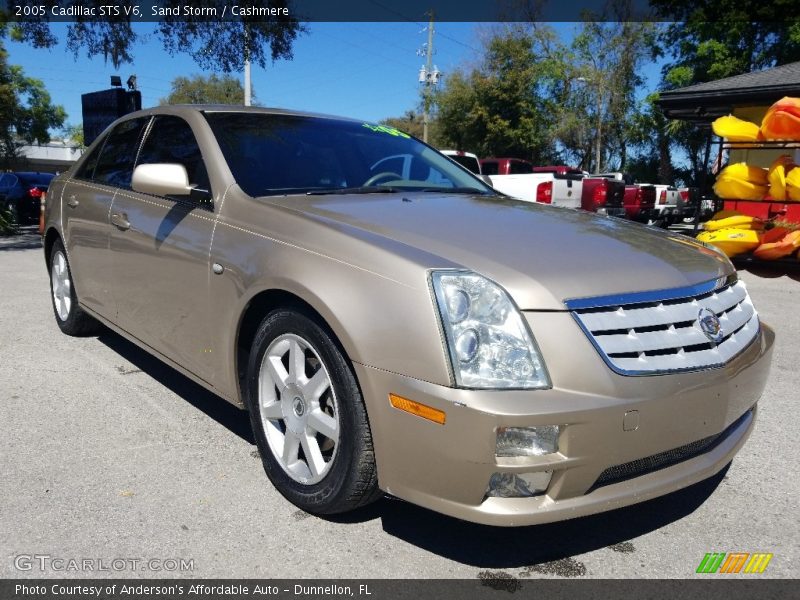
{"x": 72, "y": 202}
{"x": 121, "y": 221}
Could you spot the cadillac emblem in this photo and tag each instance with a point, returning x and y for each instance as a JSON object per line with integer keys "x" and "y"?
{"x": 710, "y": 325}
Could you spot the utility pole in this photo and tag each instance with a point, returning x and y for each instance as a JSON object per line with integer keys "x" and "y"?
{"x": 246, "y": 66}
{"x": 247, "y": 82}
{"x": 428, "y": 77}
{"x": 599, "y": 124}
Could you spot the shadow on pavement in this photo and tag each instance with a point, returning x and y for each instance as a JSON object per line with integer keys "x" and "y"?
{"x": 26, "y": 239}
{"x": 227, "y": 415}
{"x": 498, "y": 547}
{"x": 468, "y": 543}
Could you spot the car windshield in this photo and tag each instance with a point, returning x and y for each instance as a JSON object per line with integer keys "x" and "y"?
{"x": 272, "y": 154}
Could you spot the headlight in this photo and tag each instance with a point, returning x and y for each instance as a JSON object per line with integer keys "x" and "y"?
{"x": 487, "y": 339}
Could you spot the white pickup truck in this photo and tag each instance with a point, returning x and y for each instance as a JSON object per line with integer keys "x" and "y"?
{"x": 667, "y": 208}
{"x": 559, "y": 186}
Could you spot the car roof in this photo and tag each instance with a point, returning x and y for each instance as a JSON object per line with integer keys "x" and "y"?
{"x": 177, "y": 109}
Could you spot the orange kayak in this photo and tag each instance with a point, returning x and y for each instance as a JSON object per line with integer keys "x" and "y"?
{"x": 775, "y": 250}
{"x": 782, "y": 121}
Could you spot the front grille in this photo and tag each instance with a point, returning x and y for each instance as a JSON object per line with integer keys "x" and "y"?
{"x": 647, "y": 334}
{"x": 662, "y": 460}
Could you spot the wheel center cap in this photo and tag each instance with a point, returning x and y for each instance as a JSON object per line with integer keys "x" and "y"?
{"x": 298, "y": 406}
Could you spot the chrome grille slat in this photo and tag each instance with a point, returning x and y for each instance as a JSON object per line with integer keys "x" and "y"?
{"x": 653, "y": 340}
{"x": 665, "y": 336}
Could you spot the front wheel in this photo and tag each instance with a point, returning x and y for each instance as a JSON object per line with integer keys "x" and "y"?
{"x": 308, "y": 416}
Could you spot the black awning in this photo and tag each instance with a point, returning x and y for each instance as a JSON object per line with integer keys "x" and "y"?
{"x": 706, "y": 101}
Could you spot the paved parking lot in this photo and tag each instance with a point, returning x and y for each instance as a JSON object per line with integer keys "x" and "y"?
{"x": 107, "y": 453}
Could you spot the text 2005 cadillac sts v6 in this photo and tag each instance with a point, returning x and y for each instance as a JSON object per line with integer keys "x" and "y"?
{"x": 393, "y": 324}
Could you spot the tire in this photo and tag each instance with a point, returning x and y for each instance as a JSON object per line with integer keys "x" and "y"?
{"x": 299, "y": 384}
{"x": 70, "y": 317}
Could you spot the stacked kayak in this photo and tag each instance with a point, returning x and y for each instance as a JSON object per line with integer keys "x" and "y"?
{"x": 782, "y": 121}
{"x": 780, "y": 124}
{"x": 742, "y": 182}
{"x": 781, "y": 181}
{"x": 735, "y": 233}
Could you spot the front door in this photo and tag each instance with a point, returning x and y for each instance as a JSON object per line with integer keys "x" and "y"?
{"x": 160, "y": 252}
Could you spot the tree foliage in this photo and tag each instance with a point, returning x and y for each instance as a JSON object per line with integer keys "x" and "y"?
{"x": 214, "y": 46}
{"x": 26, "y": 111}
{"x": 500, "y": 108}
{"x": 411, "y": 123}
{"x": 538, "y": 98}
{"x": 198, "y": 89}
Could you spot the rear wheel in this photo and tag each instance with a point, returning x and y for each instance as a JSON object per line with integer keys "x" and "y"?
{"x": 70, "y": 317}
{"x": 308, "y": 416}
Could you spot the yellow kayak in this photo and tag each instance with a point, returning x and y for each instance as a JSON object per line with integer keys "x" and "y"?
{"x": 738, "y": 221}
{"x": 793, "y": 185}
{"x": 734, "y": 129}
{"x": 731, "y": 241}
{"x": 741, "y": 181}
{"x": 777, "y": 176}
{"x": 739, "y": 189}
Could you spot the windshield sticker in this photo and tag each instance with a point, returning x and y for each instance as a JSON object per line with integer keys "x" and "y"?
{"x": 386, "y": 129}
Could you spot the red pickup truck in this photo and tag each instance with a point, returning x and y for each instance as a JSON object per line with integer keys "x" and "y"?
{"x": 597, "y": 194}
{"x": 640, "y": 202}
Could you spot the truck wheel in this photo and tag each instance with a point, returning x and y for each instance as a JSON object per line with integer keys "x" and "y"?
{"x": 308, "y": 416}
{"x": 70, "y": 317}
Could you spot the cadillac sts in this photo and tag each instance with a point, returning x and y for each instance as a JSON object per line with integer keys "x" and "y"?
{"x": 394, "y": 325}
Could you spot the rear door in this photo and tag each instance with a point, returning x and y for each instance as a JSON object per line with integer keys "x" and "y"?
{"x": 85, "y": 211}
{"x": 160, "y": 253}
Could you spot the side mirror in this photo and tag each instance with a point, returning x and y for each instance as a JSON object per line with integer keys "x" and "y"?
{"x": 485, "y": 179}
{"x": 167, "y": 179}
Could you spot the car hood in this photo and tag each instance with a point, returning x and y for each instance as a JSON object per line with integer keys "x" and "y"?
{"x": 542, "y": 255}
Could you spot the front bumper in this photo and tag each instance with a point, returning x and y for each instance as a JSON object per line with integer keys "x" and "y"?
{"x": 447, "y": 467}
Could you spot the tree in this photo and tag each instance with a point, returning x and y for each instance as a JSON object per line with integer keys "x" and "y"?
{"x": 215, "y": 46}
{"x": 74, "y": 133}
{"x": 500, "y": 108}
{"x": 411, "y": 123}
{"x": 607, "y": 57}
{"x": 26, "y": 112}
{"x": 205, "y": 90}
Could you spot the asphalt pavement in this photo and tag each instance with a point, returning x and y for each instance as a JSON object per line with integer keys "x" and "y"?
{"x": 109, "y": 454}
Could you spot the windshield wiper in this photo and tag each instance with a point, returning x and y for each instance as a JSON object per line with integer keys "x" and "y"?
{"x": 369, "y": 189}
{"x": 457, "y": 190}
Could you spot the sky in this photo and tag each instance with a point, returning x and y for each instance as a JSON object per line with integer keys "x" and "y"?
{"x": 361, "y": 70}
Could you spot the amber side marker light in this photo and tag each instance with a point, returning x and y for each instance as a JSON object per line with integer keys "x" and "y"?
{"x": 415, "y": 408}
{"x": 41, "y": 213}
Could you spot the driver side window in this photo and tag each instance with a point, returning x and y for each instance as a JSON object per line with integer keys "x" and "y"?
{"x": 171, "y": 140}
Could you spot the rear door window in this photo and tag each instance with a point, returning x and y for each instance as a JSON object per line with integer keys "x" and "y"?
{"x": 115, "y": 165}
{"x": 517, "y": 168}
{"x": 490, "y": 168}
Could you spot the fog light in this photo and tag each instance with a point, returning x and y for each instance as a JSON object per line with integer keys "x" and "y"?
{"x": 527, "y": 441}
{"x": 518, "y": 485}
